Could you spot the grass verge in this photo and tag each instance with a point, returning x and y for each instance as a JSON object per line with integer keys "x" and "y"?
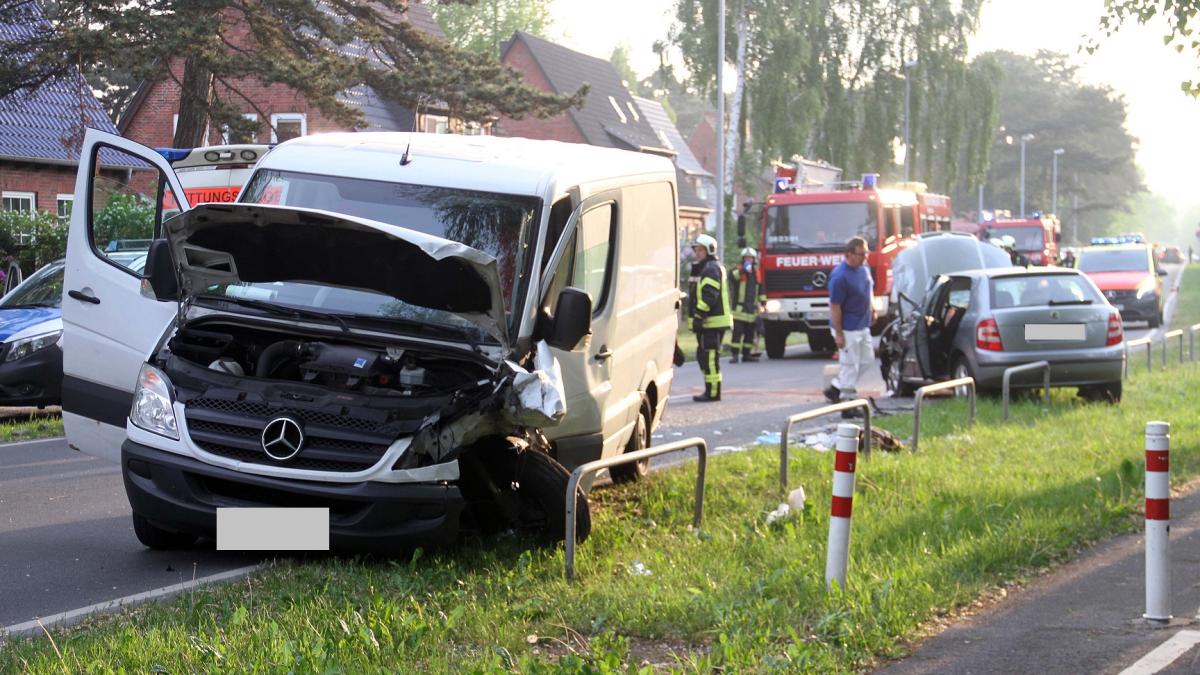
{"x": 1187, "y": 307}
{"x": 978, "y": 507}
{"x": 31, "y": 427}
{"x": 687, "y": 341}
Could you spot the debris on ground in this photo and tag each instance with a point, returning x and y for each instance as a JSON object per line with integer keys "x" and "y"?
{"x": 780, "y": 511}
{"x": 796, "y": 499}
{"x": 636, "y": 568}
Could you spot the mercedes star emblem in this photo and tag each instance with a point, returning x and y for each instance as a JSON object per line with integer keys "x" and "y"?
{"x": 282, "y": 438}
{"x": 819, "y": 279}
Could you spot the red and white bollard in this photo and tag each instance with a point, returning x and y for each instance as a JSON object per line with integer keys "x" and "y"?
{"x": 1158, "y": 522}
{"x": 845, "y": 458}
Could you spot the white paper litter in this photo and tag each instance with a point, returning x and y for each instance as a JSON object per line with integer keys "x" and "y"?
{"x": 638, "y": 569}
{"x": 796, "y": 499}
{"x": 780, "y": 511}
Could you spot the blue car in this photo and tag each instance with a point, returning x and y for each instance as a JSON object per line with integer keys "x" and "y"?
{"x": 31, "y": 336}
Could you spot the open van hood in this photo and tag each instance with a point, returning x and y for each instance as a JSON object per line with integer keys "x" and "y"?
{"x": 229, "y": 243}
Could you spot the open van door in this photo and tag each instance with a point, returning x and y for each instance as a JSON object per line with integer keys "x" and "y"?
{"x": 123, "y": 192}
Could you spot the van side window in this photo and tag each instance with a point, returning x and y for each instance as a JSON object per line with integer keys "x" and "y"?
{"x": 890, "y": 226}
{"x": 127, "y": 201}
{"x": 593, "y": 254}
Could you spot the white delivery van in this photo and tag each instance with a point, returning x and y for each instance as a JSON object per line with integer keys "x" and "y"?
{"x": 417, "y": 332}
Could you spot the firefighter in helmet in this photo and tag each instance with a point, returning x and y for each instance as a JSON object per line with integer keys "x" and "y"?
{"x": 708, "y": 308}
{"x": 745, "y": 287}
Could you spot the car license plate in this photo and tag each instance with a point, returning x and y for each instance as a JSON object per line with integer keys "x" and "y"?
{"x": 272, "y": 529}
{"x": 1057, "y": 332}
{"x": 818, "y": 316}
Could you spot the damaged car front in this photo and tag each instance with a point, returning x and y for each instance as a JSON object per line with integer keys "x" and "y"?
{"x": 325, "y": 360}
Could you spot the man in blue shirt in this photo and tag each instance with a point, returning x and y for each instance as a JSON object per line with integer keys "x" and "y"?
{"x": 851, "y": 290}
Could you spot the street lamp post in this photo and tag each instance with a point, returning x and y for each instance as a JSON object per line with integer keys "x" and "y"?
{"x": 1054, "y": 183}
{"x": 721, "y": 127}
{"x": 908, "y": 65}
{"x": 1025, "y": 138}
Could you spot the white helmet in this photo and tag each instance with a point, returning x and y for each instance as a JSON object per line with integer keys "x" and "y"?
{"x": 750, "y": 252}
{"x": 708, "y": 242}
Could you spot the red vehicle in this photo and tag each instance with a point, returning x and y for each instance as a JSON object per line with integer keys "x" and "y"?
{"x": 1036, "y": 238}
{"x": 803, "y": 238}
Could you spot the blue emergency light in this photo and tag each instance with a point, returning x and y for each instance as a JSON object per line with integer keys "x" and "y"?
{"x": 173, "y": 154}
{"x": 870, "y": 180}
{"x": 782, "y": 184}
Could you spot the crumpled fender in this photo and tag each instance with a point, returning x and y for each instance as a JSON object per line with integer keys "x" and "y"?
{"x": 537, "y": 398}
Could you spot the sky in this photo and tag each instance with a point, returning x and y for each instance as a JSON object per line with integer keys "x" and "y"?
{"x": 1135, "y": 63}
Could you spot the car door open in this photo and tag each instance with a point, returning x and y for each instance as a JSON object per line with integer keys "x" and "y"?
{"x": 111, "y": 321}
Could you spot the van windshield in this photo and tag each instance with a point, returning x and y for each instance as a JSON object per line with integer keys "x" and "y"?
{"x": 496, "y": 224}
{"x": 1025, "y": 238}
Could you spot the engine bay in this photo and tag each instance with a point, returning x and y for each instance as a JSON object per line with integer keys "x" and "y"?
{"x": 388, "y": 371}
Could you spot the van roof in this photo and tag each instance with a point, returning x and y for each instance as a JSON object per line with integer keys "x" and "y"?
{"x": 487, "y": 163}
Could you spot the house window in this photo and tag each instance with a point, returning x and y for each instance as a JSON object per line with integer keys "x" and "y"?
{"x": 436, "y": 124}
{"x": 234, "y": 137}
{"x": 286, "y": 126}
{"x": 24, "y": 202}
{"x": 64, "y": 207}
{"x": 472, "y": 129}
{"x": 616, "y": 107}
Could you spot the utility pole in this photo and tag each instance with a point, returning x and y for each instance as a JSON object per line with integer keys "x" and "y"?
{"x": 1025, "y": 138}
{"x": 1054, "y": 183}
{"x": 721, "y": 128}
{"x": 908, "y": 66}
{"x": 1075, "y": 210}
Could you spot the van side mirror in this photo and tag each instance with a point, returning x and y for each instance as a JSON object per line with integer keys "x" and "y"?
{"x": 572, "y": 320}
{"x": 160, "y": 271}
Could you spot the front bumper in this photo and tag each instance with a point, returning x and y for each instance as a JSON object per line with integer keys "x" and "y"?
{"x": 1133, "y": 309}
{"x": 1067, "y": 368}
{"x": 33, "y": 380}
{"x": 183, "y": 494}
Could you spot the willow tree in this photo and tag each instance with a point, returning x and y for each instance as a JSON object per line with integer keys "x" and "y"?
{"x": 214, "y": 48}
{"x": 825, "y": 79}
{"x": 1178, "y": 15}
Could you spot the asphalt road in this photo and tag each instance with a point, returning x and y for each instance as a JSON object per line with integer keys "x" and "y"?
{"x": 66, "y": 539}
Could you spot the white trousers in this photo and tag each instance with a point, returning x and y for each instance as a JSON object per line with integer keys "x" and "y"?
{"x": 855, "y": 359}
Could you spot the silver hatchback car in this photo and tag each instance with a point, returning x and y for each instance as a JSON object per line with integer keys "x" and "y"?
{"x": 977, "y": 323}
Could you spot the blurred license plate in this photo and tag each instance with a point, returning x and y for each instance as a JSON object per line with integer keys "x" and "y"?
{"x": 1064, "y": 332}
{"x": 273, "y": 529}
{"x": 818, "y": 316}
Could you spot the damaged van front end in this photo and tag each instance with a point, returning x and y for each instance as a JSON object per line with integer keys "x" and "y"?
{"x": 323, "y": 360}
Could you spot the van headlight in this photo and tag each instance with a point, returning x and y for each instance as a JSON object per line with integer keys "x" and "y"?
{"x": 1145, "y": 288}
{"x": 19, "y": 349}
{"x": 153, "y": 408}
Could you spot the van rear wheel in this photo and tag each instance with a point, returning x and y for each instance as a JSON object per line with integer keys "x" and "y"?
{"x": 640, "y": 440}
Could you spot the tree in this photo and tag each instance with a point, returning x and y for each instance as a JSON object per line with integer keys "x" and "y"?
{"x": 1179, "y": 16}
{"x": 825, "y": 79}
{"x": 319, "y": 48}
{"x": 482, "y": 26}
{"x": 620, "y": 62}
{"x": 1042, "y": 95}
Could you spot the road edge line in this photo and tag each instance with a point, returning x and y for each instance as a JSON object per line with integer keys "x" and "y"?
{"x": 71, "y": 617}
{"x": 1164, "y": 654}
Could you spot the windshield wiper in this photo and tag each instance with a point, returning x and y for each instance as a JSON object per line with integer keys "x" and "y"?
{"x": 1070, "y": 302}
{"x": 293, "y": 312}
{"x": 28, "y": 305}
{"x": 459, "y": 332}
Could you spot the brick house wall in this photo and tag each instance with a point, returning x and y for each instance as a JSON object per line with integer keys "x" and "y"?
{"x": 558, "y": 128}
{"x": 46, "y": 181}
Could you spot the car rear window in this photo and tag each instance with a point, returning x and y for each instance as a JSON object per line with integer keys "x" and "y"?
{"x": 1042, "y": 289}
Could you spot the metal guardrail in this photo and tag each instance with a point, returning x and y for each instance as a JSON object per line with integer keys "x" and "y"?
{"x": 592, "y": 468}
{"x": 1178, "y": 332}
{"x": 1148, "y": 343}
{"x": 968, "y": 382}
{"x": 857, "y": 403}
{"x": 1044, "y": 366}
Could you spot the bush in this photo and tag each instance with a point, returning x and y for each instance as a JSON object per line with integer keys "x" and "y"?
{"x": 34, "y": 239}
{"x": 124, "y": 216}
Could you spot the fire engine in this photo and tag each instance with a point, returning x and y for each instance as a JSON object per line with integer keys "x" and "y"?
{"x": 804, "y": 232}
{"x": 1035, "y": 238}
